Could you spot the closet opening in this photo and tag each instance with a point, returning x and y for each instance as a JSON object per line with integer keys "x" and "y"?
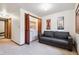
{"x": 33, "y": 26}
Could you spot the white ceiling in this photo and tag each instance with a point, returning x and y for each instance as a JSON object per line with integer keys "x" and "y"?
{"x": 34, "y": 7}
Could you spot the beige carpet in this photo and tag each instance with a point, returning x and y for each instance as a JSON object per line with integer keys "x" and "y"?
{"x": 7, "y": 47}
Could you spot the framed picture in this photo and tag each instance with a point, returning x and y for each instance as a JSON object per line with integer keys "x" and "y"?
{"x": 48, "y": 24}
{"x": 60, "y": 23}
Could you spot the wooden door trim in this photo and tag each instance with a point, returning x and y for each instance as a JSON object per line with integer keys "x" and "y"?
{"x": 27, "y": 30}
{"x": 76, "y": 15}
{"x": 34, "y": 16}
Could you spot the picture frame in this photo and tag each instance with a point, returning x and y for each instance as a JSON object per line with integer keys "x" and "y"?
{"x": 48, "y": 24}
{"x": 60, "y": 23}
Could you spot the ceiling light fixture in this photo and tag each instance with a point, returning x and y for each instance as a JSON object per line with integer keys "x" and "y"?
{"x": 45, "y": 6}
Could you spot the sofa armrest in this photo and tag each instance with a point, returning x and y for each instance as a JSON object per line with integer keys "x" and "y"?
{"x": 40, "y": 35}
{"x": 70, "y": 39}
{"x": 70, "y": 42}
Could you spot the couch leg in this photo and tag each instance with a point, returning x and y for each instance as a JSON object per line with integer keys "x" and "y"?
{"x": 70, "y": 49}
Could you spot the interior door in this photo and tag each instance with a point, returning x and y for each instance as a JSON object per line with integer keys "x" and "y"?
{"x": 8, "y": 23}
{"x": 9, "y": 28}
{"x": 39, "y": 27}
{"x": 6, "y": 28}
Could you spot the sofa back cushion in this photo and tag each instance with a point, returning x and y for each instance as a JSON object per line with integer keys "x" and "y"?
{"x": 61, "y": 35}
{"x": 48, "y": 33}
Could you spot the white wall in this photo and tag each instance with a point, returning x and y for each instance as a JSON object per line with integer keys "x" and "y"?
{"x": 68, "y": 21}
{"x": 1, "y": 26}
{"x": 16, "y": 30}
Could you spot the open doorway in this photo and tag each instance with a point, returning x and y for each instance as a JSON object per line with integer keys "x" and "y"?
{"x": 5, "y": 28}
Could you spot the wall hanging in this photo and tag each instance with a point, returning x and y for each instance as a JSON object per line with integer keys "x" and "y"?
{"x": 60, "y": 23}
{"x": 48, "y": 24}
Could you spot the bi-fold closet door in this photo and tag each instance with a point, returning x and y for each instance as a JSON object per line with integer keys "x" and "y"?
{"x": 31, "y": 28}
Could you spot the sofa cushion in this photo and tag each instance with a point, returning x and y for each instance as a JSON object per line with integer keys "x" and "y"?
{"x": 48, "y": 33}
{"x": 60, "y": 41}
{"x": 55, "y": 40}
{"x": 45, "y": 38}
{"x": 61, "y": 35}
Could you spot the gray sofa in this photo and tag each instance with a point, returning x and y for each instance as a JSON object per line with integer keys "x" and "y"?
{"x": 56, "y": 38}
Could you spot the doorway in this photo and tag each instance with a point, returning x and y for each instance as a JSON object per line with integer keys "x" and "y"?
{"x": 5, "y": 28}
{"x": 30, "y": 26}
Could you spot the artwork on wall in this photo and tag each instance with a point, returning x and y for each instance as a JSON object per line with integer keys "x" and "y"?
{"x": 60, "y": 23}
{"x": 48, "y": 24}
